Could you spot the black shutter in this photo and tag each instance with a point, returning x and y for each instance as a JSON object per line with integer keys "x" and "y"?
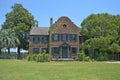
{"x": 42, "y": 39}
{"x": 47, "y": 39}
{"x": 61, "y": 37}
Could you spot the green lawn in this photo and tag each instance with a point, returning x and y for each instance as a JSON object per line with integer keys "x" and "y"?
{"x": 24, "y": 70}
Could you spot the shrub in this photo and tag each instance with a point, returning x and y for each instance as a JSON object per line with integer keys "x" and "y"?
{"x": 46, "y": 57}
{"x": 43, "y": 58}
{"x": 81, "y": 56}
{"x": 34, "y": 56}
{"x": 39, "y": 57}
{"x": 87, "y": 58}
{"x": 102, "y": 56}
{"x": 29, "y": 57}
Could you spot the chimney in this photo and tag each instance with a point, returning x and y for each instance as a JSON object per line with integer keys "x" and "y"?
{"x": 36, "y": 23}
{"x": 51, "y": 21}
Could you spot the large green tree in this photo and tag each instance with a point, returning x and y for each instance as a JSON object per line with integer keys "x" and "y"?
{"x": 101, "y": 30}
{"x": 21, "y": 21}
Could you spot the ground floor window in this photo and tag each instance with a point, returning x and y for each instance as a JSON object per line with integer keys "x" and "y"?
{"x": 45, "y": 50}
{"x": 74, "y": 50}
{"x": 36, "y": 50}
{"x": 55, "y": 50}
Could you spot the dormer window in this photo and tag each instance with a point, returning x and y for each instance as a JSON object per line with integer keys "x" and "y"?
{"x": 64, "y": 25}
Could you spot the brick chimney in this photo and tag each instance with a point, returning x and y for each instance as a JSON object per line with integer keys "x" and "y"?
{"x": 51, "y": 21}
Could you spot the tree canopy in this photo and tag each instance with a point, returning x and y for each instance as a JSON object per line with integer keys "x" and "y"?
{"x": 8, "y": 39}
{"x": 102, "y": 32}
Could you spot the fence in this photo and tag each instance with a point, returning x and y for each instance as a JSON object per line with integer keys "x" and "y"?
{"x": 12, "y": 56}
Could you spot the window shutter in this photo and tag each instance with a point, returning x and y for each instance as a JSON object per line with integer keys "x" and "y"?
{"x": 42, "y": 39}
{"x": 58, "y": 37}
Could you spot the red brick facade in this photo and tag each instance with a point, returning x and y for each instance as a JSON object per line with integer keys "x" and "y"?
{"x": 63, "y": 41}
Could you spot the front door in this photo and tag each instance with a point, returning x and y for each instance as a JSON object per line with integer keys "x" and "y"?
{"x": 64, "y": 52}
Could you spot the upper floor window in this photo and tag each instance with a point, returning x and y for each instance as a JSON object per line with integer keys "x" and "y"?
{"x": 36, "y": 39}
{"x": 36, "y": 50}
{"x": 64, "y": 37}
{"x": 73, "y": 37}
{"x": 55, "y": 37}
{"x": 45, "y": 39}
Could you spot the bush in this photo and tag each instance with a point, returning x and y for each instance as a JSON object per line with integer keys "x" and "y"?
{"x": 29, "y": 57}
{"x": 87, "y": 58}
{"x": 43, "y": 58}
{"x": 81, "y": 56}
{"x": 102, "y": 56}
{"x": 32, "y": 57}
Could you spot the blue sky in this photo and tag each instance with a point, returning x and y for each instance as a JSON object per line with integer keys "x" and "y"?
{"x": 76, "y": 10}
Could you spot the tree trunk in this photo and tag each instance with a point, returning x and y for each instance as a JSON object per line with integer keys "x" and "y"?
{"x": 18, "y": 53}
{"x": 8, "y": 50}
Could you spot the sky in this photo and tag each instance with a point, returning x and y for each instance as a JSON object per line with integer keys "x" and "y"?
{"x": 76, "y": 10}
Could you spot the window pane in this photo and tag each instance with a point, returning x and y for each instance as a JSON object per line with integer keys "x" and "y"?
{"x": 64, "y": 37}
{"x": 35, "y": 39}
{"x": 55, "y": 50}
{"x": 55, "y": 37}
{"x": 73, "y": 37}
{"x": 74, "y": 50}
{"x": 44, "y": 39}
{"x": 36, "y": 50}
{"x": 45, "y": 50}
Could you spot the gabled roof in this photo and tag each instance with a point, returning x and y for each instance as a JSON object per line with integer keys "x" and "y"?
{"x": 39, "y": 31}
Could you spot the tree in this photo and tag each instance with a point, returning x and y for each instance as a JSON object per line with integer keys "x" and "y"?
{"x": 100, "y": 43}
{"x": 101, "y": 30}
{"x": 114, "y": 48}
{"x": 8, "y": 39}
{"x": 97, "y": 25}
{"x": 21, "y": 21}
{"x": 0, "y": 43}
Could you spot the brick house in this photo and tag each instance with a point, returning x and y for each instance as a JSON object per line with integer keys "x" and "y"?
{"x": 61, "y": 39}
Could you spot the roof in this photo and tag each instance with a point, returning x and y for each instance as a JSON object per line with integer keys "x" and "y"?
{"x": 39, "y": 31}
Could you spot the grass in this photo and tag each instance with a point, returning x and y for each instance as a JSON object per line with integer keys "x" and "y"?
{"x": 24, "y": 70}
